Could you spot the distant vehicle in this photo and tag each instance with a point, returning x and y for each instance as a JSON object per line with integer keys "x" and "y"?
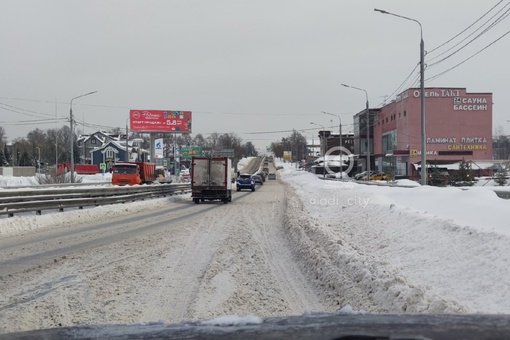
{"x": 211, "y": 179}
{"x": 262, "y": 174}
{"x": 133, "y": 173}
{"x": 185, "y": 175}
{"x": 82, "y": 169}
{"x": 162, "y": 176}
{"x": 271, "y": 175}
{"x": 257, "y": 179}
{"x": 244, "y": 181}
{"x": 378, "y": 176}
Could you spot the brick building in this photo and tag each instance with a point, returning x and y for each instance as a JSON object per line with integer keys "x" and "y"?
{"x": 458, "y": 125}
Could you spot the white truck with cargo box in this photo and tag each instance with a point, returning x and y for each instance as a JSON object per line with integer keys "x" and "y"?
{"x": 211, "y": 179}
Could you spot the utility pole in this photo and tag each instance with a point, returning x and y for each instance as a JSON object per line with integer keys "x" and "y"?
{"x": 127, "y": 147}
{"x": 422, "y": 95}
{"x": 71, "y": 121}
{"x": 368, "y": 127}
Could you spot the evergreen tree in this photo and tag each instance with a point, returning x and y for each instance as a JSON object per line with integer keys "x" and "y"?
{"x": 465, "y": 175}
{"x": 501, "y": 176}
{"x": 437, "y": 177}
{"x": 7, "y": 156}
{"x": 24, "y": 160}
{"x": 3, "y": 161}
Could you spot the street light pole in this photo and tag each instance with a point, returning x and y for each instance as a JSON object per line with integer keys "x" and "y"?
{"x": 308, "y": 153}
{"x": 322, "y": 153}
{"x": 323, "y": 129}
{"x": 72, "y": 132}
{"x": 422, "y": 95}
{"x": 38, "y": 159}
{"x": 127, "y": 150}
{"x": 368, "y": 127}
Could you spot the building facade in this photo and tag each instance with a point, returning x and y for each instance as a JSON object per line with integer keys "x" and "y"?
{"x": 458, "y": 126}
{"x": 362, "y": 138}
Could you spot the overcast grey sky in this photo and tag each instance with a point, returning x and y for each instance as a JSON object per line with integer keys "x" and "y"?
{"x": 249, "y": 67}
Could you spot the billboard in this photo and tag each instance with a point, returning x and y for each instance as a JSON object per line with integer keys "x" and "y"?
{"x": 160, "y": 121}
{"x": 191, "y": 151}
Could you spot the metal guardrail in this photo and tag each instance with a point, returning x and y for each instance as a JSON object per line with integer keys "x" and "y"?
{"x": 17, "y": 201}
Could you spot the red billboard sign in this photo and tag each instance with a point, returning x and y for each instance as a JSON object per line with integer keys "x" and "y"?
{"x": 160, "y": 121}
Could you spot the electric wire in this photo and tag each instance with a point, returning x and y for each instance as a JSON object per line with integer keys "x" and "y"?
{"x": 405, "y": 84}
{"x": 472, "y": 40}
{"x": 401, "y": 86}
{"x": 464, "y": 30}
{"x": 465, "y": 60}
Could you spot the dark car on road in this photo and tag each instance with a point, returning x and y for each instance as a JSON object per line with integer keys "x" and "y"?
{"x": 271, "y": 175}
{"x": 257, "y": 179}
{"x": 262, "y": 174}
{"x": 245, "y": 181}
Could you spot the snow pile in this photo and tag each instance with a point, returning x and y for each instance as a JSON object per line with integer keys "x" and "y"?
{"x": 18, "y": 225}
{"x": 244, "y": 162}
{"x": 10, "y": 181}
{"x": 422, "y": 249}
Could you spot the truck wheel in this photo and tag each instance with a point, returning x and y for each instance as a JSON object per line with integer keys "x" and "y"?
{"x": 225, "y": 200}
{"x": 253, "y": 189}
{"x": 196, "y": 200}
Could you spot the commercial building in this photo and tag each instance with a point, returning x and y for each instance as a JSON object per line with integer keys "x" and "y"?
{"x": 458, "y": 127}
{"x": 363, "y": 136}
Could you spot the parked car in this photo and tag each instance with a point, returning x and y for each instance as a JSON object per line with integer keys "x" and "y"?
{"x": 244, "y": 181}
{"x": 271, "y": 175}
{"x": 257, "y": 179}
{"x": 378, "y": 176}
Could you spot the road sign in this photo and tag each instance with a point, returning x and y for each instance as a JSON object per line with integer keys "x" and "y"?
{"x": 102, "y": 166}
{"x": 191, "y": 151}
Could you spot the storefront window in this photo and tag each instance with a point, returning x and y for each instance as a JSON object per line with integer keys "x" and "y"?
{"x": 389, "y": 141}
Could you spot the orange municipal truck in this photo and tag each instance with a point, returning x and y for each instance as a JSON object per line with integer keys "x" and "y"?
{"x": 132, "y": 173}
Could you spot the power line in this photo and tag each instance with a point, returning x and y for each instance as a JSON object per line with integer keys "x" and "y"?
{"x": 476, "y": 37}
{"x": 400, "y": 86}
{"x": 31, "y": 122}
{"x": 16, "y": 109}
{"x": 462, "y": 62}
{"x": 464, "y": 30}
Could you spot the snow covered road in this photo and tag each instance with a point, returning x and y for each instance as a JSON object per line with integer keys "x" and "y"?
{"x": 180, "y": 261}
{"x": 294, "y": 245}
